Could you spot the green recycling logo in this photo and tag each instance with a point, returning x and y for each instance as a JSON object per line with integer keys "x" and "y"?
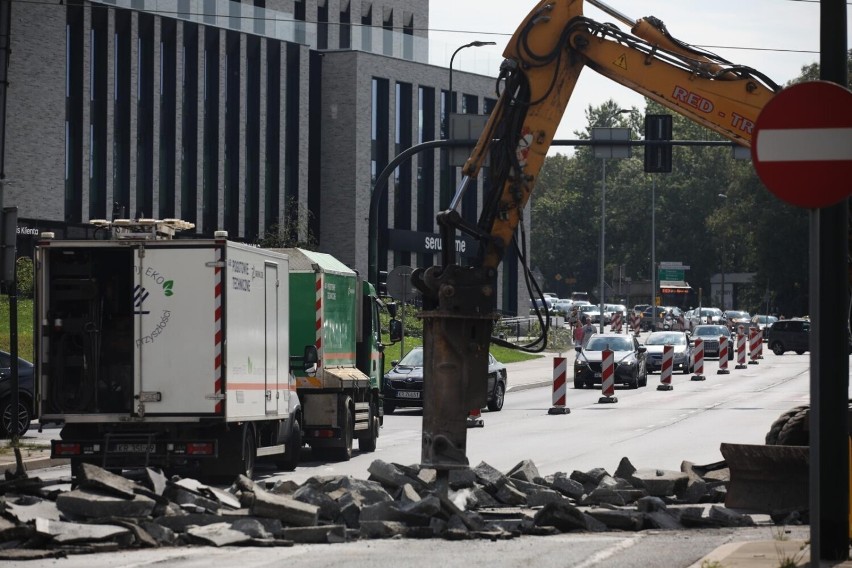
{"x": 167, "y": 287}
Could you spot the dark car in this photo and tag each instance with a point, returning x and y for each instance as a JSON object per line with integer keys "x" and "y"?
{"x": 402, "y": 386}
{"x": 25, "y": 394}
{"x": 789, "y": 335}
{"x": 710, "y": 335}
{"x": 628, "y": 359}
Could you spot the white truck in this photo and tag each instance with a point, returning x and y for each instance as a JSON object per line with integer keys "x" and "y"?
{"x": 166, "y": 352}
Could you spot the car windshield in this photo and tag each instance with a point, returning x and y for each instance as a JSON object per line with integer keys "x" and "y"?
{"x": 413, "y": 358}
{"x": 710, "y": 331}
{"x": 588, "y": 308}
{"x": 666, "y": 339}
{"x": 740, "y": 315}
{"x": 613, "y": 343}
{"x": 766, "y": 319}
{"x": 704, "y": 312}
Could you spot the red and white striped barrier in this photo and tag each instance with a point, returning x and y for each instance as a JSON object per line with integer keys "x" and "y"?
{"x": 607, "y": 377}
{"x": 741, "y": 354}
{"x": 723, "y": 355}
{"x": 615, "y": 325}
{"x": 760, "y": 344}
{"x": 753, "y": 346}
{"x": 635, "y": 323}
{"x": 560, "y": 369}
{"x": 666, "y": 369}
{"x": 698, "y": 371}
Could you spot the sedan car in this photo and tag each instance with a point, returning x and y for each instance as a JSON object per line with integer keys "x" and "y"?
{"x": 593, "y": 312}
{"x": 628, "y": 358}
{"x": 402, "y": 386}
{"x": 25, "y": 395}
{"x": 702, "y": 316}
{"x": 761, "y": 321}
{"x": 710, "y": 335}
{"x": 737, "y": 318}
{"x": 682, "y": 359}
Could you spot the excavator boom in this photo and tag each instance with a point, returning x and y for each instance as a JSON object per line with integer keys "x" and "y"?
{"x": 544, "y": 58}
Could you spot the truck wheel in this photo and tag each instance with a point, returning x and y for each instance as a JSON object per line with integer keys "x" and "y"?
{"x": 345, "y": 453}
{"x": 496, "y": 404}
{"x": 249, "y": 456}
{"x": 367, "y": 442}
{"x": 292, "y": 449}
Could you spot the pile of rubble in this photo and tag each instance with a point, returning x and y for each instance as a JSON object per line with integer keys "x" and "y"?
{"x": 102, "y": 511}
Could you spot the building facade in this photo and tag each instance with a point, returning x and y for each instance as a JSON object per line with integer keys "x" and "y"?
{"x": 246, "y": 117}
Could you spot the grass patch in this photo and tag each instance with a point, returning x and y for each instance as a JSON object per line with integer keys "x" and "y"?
{"x": 502, "y": 354}
{"x": 25, "y": 327}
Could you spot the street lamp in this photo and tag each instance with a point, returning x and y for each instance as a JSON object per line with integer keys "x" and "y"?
{"x": 611, "y": 151}
{"x": 451, "y": 106}
{"x": 724, "y": 258}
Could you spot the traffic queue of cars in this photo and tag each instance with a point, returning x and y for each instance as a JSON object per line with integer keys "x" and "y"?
{"x": 402, "y": 385}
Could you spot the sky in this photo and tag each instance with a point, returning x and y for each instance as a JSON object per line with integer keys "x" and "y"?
{"x": 775, "y": 37}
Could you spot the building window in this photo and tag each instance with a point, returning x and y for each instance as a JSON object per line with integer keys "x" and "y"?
{"x": 367, "y": 28}
{"x": 252, "y": 156}
{"x": 189, "y": 125}
{"x": 145, "y": 117}
{"x": 168, "y": 116}
{"x": 425, "y": 167}
{"x": 232, "y": 132}
{"x": 322, "y": 25}
{"x": 379, "y": 155}
{"x": 402, "y": 176}
{"x": 408, "y": 37}
{"x": 346, "y": 26}
{"x": 387, "y": 32}
{"x": 470, "y": 104}
{"x": 121, "y": 113}
{"x": 271, "y": 174}
{"x": 210, "y": 157}
{"x": 74, "y": 99}
{"x": 98, "y": 104}
{"x": 293, "y": 142}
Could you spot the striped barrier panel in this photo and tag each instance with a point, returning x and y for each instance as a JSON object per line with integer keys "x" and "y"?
{"x": 560, "y": 369}
{"x": 666, "y": 369}
{"x": 698, "y": 371}
{"x": 607, "y": 377}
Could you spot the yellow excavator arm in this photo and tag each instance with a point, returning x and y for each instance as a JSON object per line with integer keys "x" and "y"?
{"x": 543, "y": 62}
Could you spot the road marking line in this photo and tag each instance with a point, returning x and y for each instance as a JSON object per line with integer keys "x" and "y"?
{"x": 609, "y": 552}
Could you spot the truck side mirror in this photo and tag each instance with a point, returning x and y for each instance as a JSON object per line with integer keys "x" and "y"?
{"x": 310, "y": 359}
{"x": 391, "y": 307}
{"x": 395, "y": 330}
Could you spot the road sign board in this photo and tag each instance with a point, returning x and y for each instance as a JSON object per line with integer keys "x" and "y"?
{"x": 802, "y": 144}
{"x": 670, "y": 274}
{"x": 399, "y": 284}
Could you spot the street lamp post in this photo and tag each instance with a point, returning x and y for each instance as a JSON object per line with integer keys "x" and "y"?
{"x": 724, "y": 258}
{"x": 451, "y": 107}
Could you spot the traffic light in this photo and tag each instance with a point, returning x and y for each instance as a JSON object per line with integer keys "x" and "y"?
{"x": 382, "y": 284}
{"x": 658, "y": 157}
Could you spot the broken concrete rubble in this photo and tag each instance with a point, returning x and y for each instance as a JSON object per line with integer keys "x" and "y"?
{"x": 147, "y": 509}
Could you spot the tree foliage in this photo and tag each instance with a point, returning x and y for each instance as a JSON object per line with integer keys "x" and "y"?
{"x": 712, "y": 214}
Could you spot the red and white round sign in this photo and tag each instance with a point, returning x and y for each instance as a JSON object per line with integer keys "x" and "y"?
{"x": 802, "y": 144}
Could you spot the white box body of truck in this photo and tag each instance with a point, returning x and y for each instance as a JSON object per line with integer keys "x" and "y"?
{"x": 164, "y": 352}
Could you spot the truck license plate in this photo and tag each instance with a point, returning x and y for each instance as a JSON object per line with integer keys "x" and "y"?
{"x": 408, "y": 394}
{"x": 133, "y": 448}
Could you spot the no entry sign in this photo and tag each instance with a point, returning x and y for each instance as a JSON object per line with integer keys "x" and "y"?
{"x": 802, "y": 144}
